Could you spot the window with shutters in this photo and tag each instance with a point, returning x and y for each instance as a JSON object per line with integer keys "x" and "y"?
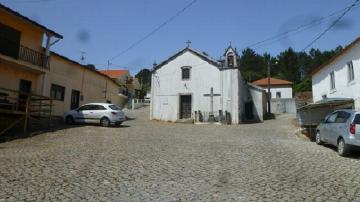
{"x": 57, "y": 92}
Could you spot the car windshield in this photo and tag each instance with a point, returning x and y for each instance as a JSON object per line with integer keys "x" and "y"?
{"x": 114, "y": 107}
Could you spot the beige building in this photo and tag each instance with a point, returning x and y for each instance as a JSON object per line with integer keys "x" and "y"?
{"x": 27, "y": 66}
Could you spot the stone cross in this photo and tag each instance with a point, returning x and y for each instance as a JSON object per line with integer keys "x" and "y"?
{"x": 188, "y": 43}
{"x": 211, "y": 95}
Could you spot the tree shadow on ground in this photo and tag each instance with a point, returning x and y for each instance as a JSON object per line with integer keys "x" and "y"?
{"x": 17, "y": 132}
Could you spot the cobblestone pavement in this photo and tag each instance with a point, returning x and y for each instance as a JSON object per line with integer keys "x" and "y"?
{"x": 154, "y": 161}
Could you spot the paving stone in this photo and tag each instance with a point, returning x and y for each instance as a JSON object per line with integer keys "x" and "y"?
{"x": 154, "y": 161}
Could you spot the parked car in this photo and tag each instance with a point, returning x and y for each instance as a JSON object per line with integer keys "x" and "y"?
{"x": 103, "y": 113}
{"x": 341, "y": 128}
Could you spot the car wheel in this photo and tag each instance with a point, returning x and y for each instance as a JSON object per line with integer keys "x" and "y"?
{"x": 69, "y": 120}
{"x": 342, "y": 147}
{"x": 105, "y": 122}
{"x": 318, "y": 138}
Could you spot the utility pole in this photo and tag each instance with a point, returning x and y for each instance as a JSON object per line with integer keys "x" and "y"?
{"x": 106, "y": 82}
{"x": 269, "y": 94}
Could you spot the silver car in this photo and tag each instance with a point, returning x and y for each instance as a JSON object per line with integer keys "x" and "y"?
{"x": 103, "y": 113}
{"x": 341, "y": 129}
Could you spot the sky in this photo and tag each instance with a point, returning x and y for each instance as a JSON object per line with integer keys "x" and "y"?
{"x": 105, "y": 28}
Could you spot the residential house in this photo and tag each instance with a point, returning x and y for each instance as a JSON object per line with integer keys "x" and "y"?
{"x": 340, "y": 76}
{"x": 190, "y": 85}
{"x": 279, "y": 88}
{"x": 23, "y": 61}
{"x": 28, "y": 67}
{"x": 71, "y": 84}
{"x": 129, "y": 85}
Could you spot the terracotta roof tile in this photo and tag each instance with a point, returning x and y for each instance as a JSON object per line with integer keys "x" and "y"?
{"x": 273, "y": 81}
{"x": 115, "y": 73}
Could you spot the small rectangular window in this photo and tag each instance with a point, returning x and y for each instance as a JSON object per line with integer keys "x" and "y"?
{"x": 278, "y": 94}
{"x": 57, "y": 92}
{"x": 332, "y": 80}
{"x": 185, "y": 73}
{"x": 350, "y": 71}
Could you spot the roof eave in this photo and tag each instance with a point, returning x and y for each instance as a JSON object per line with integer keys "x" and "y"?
{"x": 45, "y": 29}
{"x": 334, "y": 58}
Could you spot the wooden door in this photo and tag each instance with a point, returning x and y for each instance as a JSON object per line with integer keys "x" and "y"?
{"x": 75, "y": 98}
{"x": 25, "y": 89}
{"x": 185, "y": 106}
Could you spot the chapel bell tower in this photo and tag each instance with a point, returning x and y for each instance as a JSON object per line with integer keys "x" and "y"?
{"x": 231, "y": 57}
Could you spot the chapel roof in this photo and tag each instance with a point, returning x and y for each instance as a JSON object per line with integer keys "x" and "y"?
{"x": 197, "y": 53}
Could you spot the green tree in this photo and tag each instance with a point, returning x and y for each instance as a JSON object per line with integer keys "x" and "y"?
{"x": 253, "y": 65}
{"x": 144, "y": 77}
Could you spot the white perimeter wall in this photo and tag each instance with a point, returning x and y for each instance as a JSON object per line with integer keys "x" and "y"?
{"x": 343, "y": 88}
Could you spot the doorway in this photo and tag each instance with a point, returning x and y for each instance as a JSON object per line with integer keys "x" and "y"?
{"x": 75, "y": 99}
{"x": 25, "y": 89}
{"x": 185, "y": 106}
{"x": 249, "y": 115}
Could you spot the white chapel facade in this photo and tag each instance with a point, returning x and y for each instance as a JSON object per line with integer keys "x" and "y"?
{"x": 190, "y": 84}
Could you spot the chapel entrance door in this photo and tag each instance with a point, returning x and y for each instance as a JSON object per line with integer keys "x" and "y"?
{"x": 185, "y": 106}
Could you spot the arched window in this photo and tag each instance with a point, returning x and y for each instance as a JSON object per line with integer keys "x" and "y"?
{"x": 185, "y": 72}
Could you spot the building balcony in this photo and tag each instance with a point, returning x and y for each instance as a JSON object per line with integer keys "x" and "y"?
{"x": 15, "y": 53}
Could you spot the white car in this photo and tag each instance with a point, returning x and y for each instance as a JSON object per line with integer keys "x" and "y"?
{"x": 103, "y": 113}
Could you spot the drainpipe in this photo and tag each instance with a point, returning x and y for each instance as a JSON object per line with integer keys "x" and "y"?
{"x": 46, "y": 63}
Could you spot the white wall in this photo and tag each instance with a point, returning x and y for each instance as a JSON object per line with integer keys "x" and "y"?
{"x": 258, "y": 99}
{"x": 343, "y": 89}
{"x": 286, "y": 91}
{"x": 167, "y": 86}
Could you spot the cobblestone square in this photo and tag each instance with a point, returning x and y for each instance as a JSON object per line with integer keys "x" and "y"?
{"x": 155, "y": 161}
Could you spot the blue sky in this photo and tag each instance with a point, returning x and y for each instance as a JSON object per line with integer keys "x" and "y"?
{"x": 105, "y": 28}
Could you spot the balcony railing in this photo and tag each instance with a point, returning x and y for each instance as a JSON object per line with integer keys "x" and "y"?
{"x": 23, "y": 53}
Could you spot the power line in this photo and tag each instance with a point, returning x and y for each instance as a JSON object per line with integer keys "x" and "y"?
{"x": 27, "y": 1}
{"x": 286, "y": 36}
{"x": 301, "y": 28}
{"x": 136, "y": 43}
{"x": 331, "y": 26}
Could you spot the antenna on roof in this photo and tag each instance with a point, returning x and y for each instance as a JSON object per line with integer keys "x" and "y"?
{"x": 82, "y": 56}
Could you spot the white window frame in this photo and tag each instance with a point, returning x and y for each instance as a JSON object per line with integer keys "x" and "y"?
{"x": 350, "y": 68}
{"x": 332, "y": 80}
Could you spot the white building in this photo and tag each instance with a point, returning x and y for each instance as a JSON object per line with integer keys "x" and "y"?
{"x": 278, "y": 88}
{"x": 340, "y": 76}
{"x": 190, "y": 84}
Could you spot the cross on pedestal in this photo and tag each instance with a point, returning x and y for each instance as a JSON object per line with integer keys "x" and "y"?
{"x": 211, "y": 95}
